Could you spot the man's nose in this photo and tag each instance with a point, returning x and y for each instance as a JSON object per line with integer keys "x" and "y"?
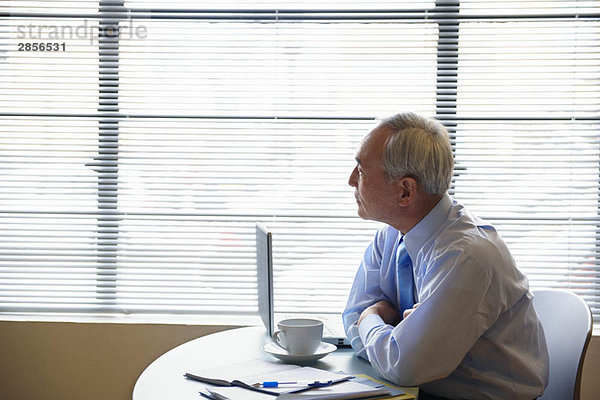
{"x": 352, "y": 179}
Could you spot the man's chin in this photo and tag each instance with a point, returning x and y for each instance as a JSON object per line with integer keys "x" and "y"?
{"x": 364, "y": 215}
{"x": 361, "y": 213}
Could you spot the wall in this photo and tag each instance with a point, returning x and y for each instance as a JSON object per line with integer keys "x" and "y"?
{"x": 82, "y": 361}
{"x": 590, "y": 385}
{"x": 92, "y": 361}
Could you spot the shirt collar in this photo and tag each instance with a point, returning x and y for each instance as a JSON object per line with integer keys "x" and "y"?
{"x": 422, "y": 232}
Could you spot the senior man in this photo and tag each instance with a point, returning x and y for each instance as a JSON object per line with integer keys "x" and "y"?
{"x": 437, "y": 301}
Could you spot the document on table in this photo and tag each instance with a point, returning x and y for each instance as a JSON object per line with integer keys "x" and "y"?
{"x": 395, "y": 392}
{"x": 340, "y": 391}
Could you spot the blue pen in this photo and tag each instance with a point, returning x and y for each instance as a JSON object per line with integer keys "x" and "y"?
{"x": 275, "y": 384}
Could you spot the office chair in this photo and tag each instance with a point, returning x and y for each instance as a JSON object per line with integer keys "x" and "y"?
{"x": 567, "y": 322}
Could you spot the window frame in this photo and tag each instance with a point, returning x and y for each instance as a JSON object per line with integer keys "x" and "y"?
{"x": 445, "y": 13}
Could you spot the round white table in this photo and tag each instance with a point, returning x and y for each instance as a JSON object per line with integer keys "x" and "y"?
{"x": 164, "y": 380}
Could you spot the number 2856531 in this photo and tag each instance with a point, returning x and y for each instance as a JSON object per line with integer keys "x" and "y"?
{"x": 50, "y": 46}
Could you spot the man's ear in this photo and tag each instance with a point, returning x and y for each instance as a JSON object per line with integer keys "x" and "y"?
{"x": 407, "y": 190}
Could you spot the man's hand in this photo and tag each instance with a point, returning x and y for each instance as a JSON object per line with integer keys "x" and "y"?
{"x": 409, "y": 311}
{"x": 385, "y": 310}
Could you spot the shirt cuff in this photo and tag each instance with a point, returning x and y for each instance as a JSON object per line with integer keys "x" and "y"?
{"x": 369, "y": 323}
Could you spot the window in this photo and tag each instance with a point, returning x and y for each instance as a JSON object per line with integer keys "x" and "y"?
{"x": 141, "y": 140}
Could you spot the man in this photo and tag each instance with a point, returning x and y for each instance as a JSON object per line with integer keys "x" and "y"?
{"x": 437, "y": 301}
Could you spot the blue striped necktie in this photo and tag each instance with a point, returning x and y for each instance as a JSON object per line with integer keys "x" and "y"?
{"x": 405, "y": 278}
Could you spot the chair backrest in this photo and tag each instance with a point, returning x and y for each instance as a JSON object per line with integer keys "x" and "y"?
{"x": 567, "y": 322}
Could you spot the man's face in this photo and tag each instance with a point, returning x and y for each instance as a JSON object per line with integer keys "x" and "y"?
{"x": 375, "y": 195}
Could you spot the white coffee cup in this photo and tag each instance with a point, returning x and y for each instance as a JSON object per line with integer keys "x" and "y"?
{"x": 299, "y": 336}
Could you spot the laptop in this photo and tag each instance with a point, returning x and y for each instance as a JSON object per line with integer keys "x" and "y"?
{"x": 333, "y": 329}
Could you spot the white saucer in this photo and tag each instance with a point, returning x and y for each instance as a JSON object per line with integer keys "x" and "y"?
{"x": 322, "y": 351}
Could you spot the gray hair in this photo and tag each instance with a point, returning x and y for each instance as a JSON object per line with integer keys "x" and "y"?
{"x": 419, "y": 147}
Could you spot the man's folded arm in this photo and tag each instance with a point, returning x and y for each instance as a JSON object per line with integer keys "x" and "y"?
{"x": 432, "y": 341}
{"x": 364, "y": 293}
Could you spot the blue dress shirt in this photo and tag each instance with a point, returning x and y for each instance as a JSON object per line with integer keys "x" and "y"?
{"x": 475, "y": 334}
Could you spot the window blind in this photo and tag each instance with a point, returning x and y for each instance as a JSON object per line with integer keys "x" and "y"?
{"x": 137, "y": 156}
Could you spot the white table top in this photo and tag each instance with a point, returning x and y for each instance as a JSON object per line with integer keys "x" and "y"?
{"x": 164, "y": 380}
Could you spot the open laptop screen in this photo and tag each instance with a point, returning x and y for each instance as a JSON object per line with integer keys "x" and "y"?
{"x": 264, "y": 271}
{"x": 333, "y": 331}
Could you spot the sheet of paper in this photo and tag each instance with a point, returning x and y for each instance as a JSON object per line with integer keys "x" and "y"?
{"x": 241, "y": 371}
{"x": 366, "y": 380}
{"x": 396, "y": 393}
{"x": 345, "y": 390}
